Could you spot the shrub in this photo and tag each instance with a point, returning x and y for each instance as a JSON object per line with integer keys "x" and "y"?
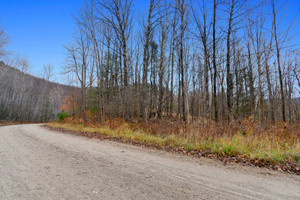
{"x": 61, "y": 116}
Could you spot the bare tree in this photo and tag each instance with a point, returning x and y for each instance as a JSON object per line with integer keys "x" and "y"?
{"x": 228, "y": 58}
{"x": 296, "y": 71}
{"x": 21, "y": 63}
{"x": 118, "y": 15}
{"x": 78, "y": 64}
{"x": 235, "y": 12}
{"x": 215, "y": 63}
{"x": 281, "y": 38}
{"x": 87, "y": 19}
{"x": 172, "y": 56}
{"x": 256, "y": 27}
{"x": 47, "y": 72}
{"x": 164, "y": 23}
{"x": 183, "y": 6}
{"x": 4, "y": 40}
{"x": 203, "y": 29}
{"x": 148, "y": 31}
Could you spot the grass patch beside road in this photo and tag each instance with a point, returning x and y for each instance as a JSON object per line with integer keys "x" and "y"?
{"x": 277, "y": 145}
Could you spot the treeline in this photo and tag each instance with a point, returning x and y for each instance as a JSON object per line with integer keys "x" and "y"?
{"x": 29, "y": 99}
{"x": 220, "y": 60}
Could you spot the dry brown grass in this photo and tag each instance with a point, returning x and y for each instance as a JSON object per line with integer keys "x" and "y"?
{"x": 9, "y": 123}
{"x": 275, "y": 143}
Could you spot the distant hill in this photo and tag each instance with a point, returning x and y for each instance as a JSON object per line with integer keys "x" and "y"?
{"x": 27, "y": 98}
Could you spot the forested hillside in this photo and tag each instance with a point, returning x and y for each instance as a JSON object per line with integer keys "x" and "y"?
{"x": 27, "y": 98}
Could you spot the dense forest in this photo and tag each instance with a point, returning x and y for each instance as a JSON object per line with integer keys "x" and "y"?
{"x": 27, "y": 98}
{"x": 219, "y": 60}
{"x": 184, "y": 59}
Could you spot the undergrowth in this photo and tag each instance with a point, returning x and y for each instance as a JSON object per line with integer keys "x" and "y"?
{"x": 274, "y": 143}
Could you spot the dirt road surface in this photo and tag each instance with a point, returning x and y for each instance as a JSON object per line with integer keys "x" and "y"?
{"x": 36, "y": 163}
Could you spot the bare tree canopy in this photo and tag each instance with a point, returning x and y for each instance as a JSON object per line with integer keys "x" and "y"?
{"x": 219, "y": 60}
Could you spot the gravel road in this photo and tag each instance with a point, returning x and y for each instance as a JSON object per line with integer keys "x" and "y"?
{"x": 36, "y": 163}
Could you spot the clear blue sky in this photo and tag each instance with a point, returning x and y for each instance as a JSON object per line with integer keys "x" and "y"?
{"x": 39, "y": 28}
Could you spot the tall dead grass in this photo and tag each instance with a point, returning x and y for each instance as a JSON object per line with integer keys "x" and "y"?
{"x": 272, "y": 142}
